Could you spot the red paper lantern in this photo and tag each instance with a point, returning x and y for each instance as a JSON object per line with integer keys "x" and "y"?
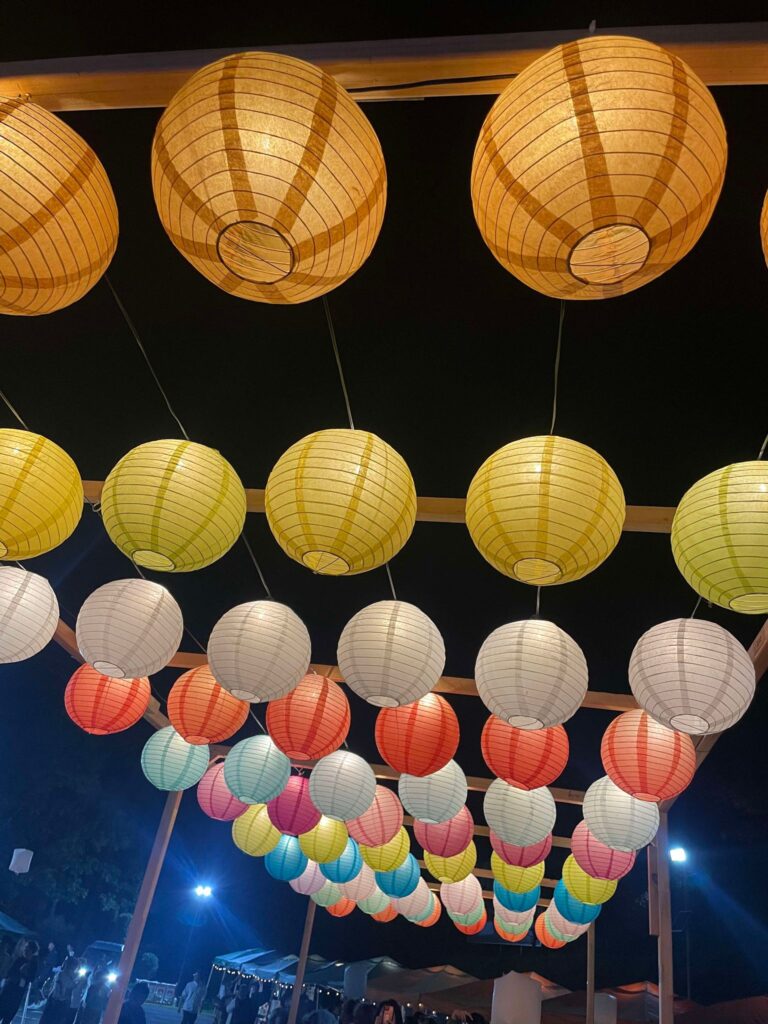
{"x": 312, "y": 720}
{"x": 521, "y": 856}
{"x": 646, "y": 759}
{"x": 215, "y": 797}
{"x": 545, "y": 937}
{"x": 525, "y": 758}
{"x": 419, "y": 738}
{"x": 448, "y": 837}
{"x": 292, "y": 812}
{"x": 433, "y": 918}
{"x": 342, "y": 908}
{"x": 387, "y": 914}
{"x": 381, "y": 822}
{"x": 201, "y": 711}
{"x": 508, "y": 936}
{"x": 102, "y": 705}
{"x": 473, "y": 929}
{"x": 597, "y": 859}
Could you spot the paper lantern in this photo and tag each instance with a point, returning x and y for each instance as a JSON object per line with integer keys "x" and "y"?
{"x": 461, "y": 897}
{"x": 327, "y": 896}
{"x": 583, "y": 886}
{"x": 646, "y": 759}
{"x": 129, "y": 628}
{"x": 253, "y": 832}
{"x": 416, "y": 902}
{"x": 418, "y": 738}
{"x": 692, "y": 675}
{"x": 172, "y": 764}
{"x": 202, "y": 711}
{"x": 423, "y": 914}
{"x": 342, "y": 785}
{"x": 400, "y": 881}
{"x": 764, "y": 227}
{"x": 286, "y": 861}
{"x": 517, "y": 929}
{"x": 342, "y": 908}
{"x": 561, "y": 927}
{"x": 215, "y": 798}
{"x": 521, "y": 856}
{"x": 516, "y": 879}
{"x": 377, "y": 903}
{"x": 516, "y": 900}
{"x": 447, "y": 838}
{"x": 618, "y": 819}
{"x": 525, "y": 758}
{"x": 346, "y": 867}
{"x": 518, "y": 816}
{"x": 531, "y": 674}
{"x": 29, "y": 613}
{"x": 309, "y": 881}
{"x": 509, "y": 936}
{"x": 292, "y": 811}
{"x": 434, "y": 798}
{"x": 433, "y": 918}
{"x": 256, "y": 771}
{"x": 387, "y": 914}
{"x": 361, "y": 886}
{"x": 572, "y": 908}
{"x": 312, "y": 720}
{"x": 472, "y": 917}
{"x": 473, "y": 929}
{"x": 381, "y": 822}
{"x": 325, "y": 842}
{"x": 41, "y": 494}
{"x": 58, "y": 217}
{"x": 391, "y": 653}
{"x": 545, "y": 936}
{"x": 513, "y": 919}
{"x": 597, "y": 859}
{"x": 259, "y": 650}
{"x": 452, "y": 869}
{"x": 387, "y": 856}
{"x": 102, "y": 705}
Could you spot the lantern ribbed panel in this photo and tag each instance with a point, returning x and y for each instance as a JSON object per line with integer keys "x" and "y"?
{"x": 692, "y": 675}
{"x": 514, "y": 878}
{"x": 472, "y": 917}
{"x": 512, "y": 919}
{"x": 598, "y": 167}
{"x": 473, "y": 929}
{"x": 361, "y": 886}
{"x": 377, "y": 903}
{"x": 202, "y": 711}
{"x": 129, "y": 628}
{"x": 518, "y": 816}
{"x": 29, "y": 614}
{"x": 312, "y": 720}
{"x": 402, "y": 880}
{"x": 381, "y": 822}
{"x": 310, "y": 880}
{"x": 764, "y": 227}
{"x": 426, "y": 912}
{"x": 545, "y": 936}
{"x": 172, "y": 764}
{"x": 418, "y": 738}
{"x": 526, "y": 758}
{"x": 391, "y": 653}
{"x": 387, "y": 914}
{"x": 447, "y": 838}
{"x": 461, "y": 897}
{"x": 521, "y": 856}
{"x": 415, "y": 903}
{"x": 434, "y": 916}
{"x": 41, "y": 494}
{"x": 346, "y": 867}
{"x": 597, "y": 859}
{"x": 256, "y": 771}
{"x": 215, "y": 797}
{"x": 58, "y": 218}
{"x": 292, "y": 811}
{"x": 326, "y": 841}
{"x": 583, "y": 886}
{"x": 434, "y": 798}
{"x": 286, "y": 861}
{"x": 515, "y": 928}
{"x": 646, "y": 759}
{"x": 341, "y": 909}
{"x": 517, "y": 901}
{"x": 572, "y": 908}
{"x": 102, "y": 705}
{"x": 511, "y": 934}
{"x": 452, "y": 869}
{"x": 531, "y": 674}
{"x": 561, "y": 926}
{"x": 618, "y": 819}
{"x": 259, "y": 650}
{"x": 253, "y": 832}
{"x": 387, "y": 856}
{"x": 545, "y": 510}
{"x": 342, "y": 785}
{"x": 328, "y": 895}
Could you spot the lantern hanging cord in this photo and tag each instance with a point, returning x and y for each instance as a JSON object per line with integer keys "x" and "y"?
{"x": 257, "y": 720}
{"x": 15, "y": 413}
{"x": 761, "y": 453}
{"x": 391, "y": 581}
{"x": 696, "y": 607}
{"x": 257, "y": 567}
{"x": 557, "y": 365}
{"x": 538, "y": 599}
{"x": 332, "y": 333}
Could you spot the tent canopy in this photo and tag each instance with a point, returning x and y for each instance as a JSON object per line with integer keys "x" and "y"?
{"x": 273, "y": 965}
{"x": 8, "y": 924}
{"x": 392, "y": 981}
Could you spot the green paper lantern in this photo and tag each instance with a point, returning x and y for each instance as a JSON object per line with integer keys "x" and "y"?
{"x": 172, "y": 764}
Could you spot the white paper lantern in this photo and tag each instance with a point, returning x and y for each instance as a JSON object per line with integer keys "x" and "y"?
{"x": 434, "y": 798}
{"x": 361, "y": 886}
{"x": 568, "y": 929}
{"x": 519, "y": 816}
{"x": 328, "y": 895}
{"x": 129, "y": 628}
{"x": 531, "y": 674}
{"x": 256, "y": 771}
{"x": 391, "y": 653}
{"x": 415, "y": 902}
{"x": 692, "y": 675}
{"x": 311, "y": 880}
{"x": 342, "y": 785}
{"x": 29, "y": 613}
{"x": 618, "y": 819}
{"x": 461, "y": 897}
{"x": 259, "y": 651}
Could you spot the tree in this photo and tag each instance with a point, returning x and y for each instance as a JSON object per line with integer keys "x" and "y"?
{"x": 148, "y": 965}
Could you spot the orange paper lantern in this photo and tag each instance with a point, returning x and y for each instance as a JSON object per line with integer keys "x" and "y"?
{"x": 433, "y": 918}
{"x": 524, "y": 758}
{"x": 545, "y": 936}
{"x": 102, "y": 705}
{"x": 342, "y": 908}
{"x": 388, "y": 914}
{"x": 418, "y": 738}
{"x": 646, "y": 759}
{"x": 202, "y": 711}
{"x": 473, "y": 929}
{"x": 312, "y": 720}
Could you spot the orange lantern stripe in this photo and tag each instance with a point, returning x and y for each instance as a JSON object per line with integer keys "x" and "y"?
{"x": 312, "y": 720}
{"x": 102, "y": 705}
{"x": 647, "y": 759}
{"x": 202, "y": 711}
{"x": 527, "y": 759}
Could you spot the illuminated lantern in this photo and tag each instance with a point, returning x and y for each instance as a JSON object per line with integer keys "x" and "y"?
{"x": 597, "y": 859}
{"x": 422, "y": 915}
{"x": 433, "y": 918}
{"x": 390, "y": 653}
{"x": 172, "y": 764}
{"x": 516, "y": 928}
{"x": 102, "y": 705}
{"x": 253, "y": 832}
{"x": 646, "y": 759}
{"x": 325, "y": 842}
{"x": 386, "y": 915}
{"x": 472, "y": 917}
{"x": 342, "y": 785}
{"x": 561, "y": 927}
{"x": 516, "y": 879}
{"x": 434, "y": 798}
{"x": 473, "y": 929}
{"x": 377, "y": 903}
{"x": 215, "y": 798}
{"x": 202, "y": 711}
{"x": 446, "y": 838}
{"x": 400, "y": 881}
{"x": 361, "y": 886}
{"x": 519, "y": 816}
{"x": 521, "y": 856}
{"x": 513, "y": 919}
{"x": 531, "y": 674}
{"x": 292, "y": 811}
{"x": 764, "y": 227}
{"x": 387, "y": 856}
{"x": 129, "y": 628}
{"x": 58, "y": 216}
{"x": 516, "y": 900}
{"x": 312, "y": 720}
{"x": 618, "y": 819}
{"x": 545, "y": 936}
{"x": 346, "y": 867}
{"x": 572, "y": 908}
{"x": 259, "y": 650}
{"x": 525, "y": 758}
{"x": 256, "y": 771}
{"x": 452, "y": 869}
{"x": 342, "y": 908}
{"x": 286, "y": 861}
{"x": 461, "y": 897}
{"x": 381, "y": 822}
{"x": 327, "y": 896}
{"x": 509, "y": 936}
{"x": 310, "y": 880}
{"x": 692, "y": 675}
{"x": 29, "y": 612}
{"x": 416, "y": 902}
{"x": 419, "y": 738}
{"x": 583, "y": 886}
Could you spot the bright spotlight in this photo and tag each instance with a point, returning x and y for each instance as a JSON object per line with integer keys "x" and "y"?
{"x": 678, "y": 855}
{"x": 112, "y": 977}
{"x": 205, "y": 891}
{"x": 82, "y": 971}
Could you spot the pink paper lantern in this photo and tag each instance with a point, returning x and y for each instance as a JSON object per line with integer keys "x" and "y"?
{"x": 415, "y": 903}
{"x": 293, "y": 812}
{"x": 461, "y": 897}
{"x": 361, "y": 886}
{"x": 381, "y": 822}
{"x": 521, "y": 856}
{"x": 215, "y": 797}
{"x": 448, "y": 837}
{"x": 597, "y": 859}
{"x": 310, "y": 881}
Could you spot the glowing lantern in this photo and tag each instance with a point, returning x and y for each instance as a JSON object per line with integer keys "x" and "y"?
{"x": 400, "y": 881}
{"x": 310, "y": 880}
{"x": 215, "y": 798}
{"x": 327, "y": 896}
{"x": 434, "y": 798}
{"x": 513, "y": 920}
{"x": 433, "y": 918}
{"x": 287, "y": 860}
{"x": 692, "y": 675}
{"x": 386, "y": 915}
{"x": 516, "y": 879}
{"x": 342, "y": 785}
{"x": 583, "y": 886}
{"x": 418, "y": 738}
{"x": 346, "y": 867}
{"x": 572, "y": 908}
{"x": 259, "y": 650}
{"x": 519, "y": 816}
{"x": 102, "y": 705}
{"x": 29, "y": 613}
{"x": 446, "y": 838}
{"x": 390, "y": 653}
{"x": 452, "y": 869}
{"x": 764, "y": 227}
{"x": 509, "y": 936}
{"x": 461, "y": 897}
{"x": 472, "y": 917}
{"x": 387, "y": 856}
{"x": 597, "y": 859}
{"x": 561, "y": 927}
{"x": 129, "y": 628}
{"x": 646, "y": 759}
{"x": 525, "y": 758}
{"x": 516, "y": 900}
{"x": 473, "y": 929}
{"x": 292, "y": 811}
{"x": 521, "y": 856}
{"x": 325, "y": 842}
{"x": 416, "y": 902}
{"x": 376, "y": 903}
{"x": 202, "y": 711}
{"x": 312, "y": 720}
{"x": 361, "y": 886}
{"x": 253, "y": 832}
{"x": 381, "y": 822}
{"x": 618, "y": 819}
{"x": 256, "y": 771}
{"x": 545, "y": 936}
{"x": 515, "y": 928}
{"x": 172, "y": 764}
{"x": 342, "y": 908}
{"x": 422, "y": 915}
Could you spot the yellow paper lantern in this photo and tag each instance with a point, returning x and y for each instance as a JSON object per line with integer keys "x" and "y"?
{"x": 325, "y": 842}
{"x": 268, "y": 177}
{"x": 720, "y": 537}
{"x": 389, "y": 856}
{"x": 452, "y": 869}
{"x": 598, "y": 167}
{"x": 254, "y": 833}
{"x": 41, "y": 494}
{"x": 341, "y": 502}
{"x": 545, "y": 510}
{"x": 173, "y": 506}
{"x": 583, "y": 886}
{"x": 516, "y": 879}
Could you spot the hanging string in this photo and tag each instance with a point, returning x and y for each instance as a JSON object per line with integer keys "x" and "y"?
{"x": 256, "y": 565}
{"x": 391, "y": 581}
{"x": 538, "y": 599}
{"x": 557, "y": 365}
{"x": 13, "y": 410}
{"x": 696, "y": 607}
{"x": 332, "y": 333}
{"x": 256, "y": 719}
{"x": 761, "y": 453}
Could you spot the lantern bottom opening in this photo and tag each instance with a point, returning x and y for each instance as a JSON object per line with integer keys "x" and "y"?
{"x": 380, "y": 701}
{"x": 753, "y": 604}
{"x": 249, "y": 695}
{"x": 149, "y": 559}
{"x": 326, "y": 563}
{"x": 525, "y": 722}
{"x": 3, "y": 550}
{"x": 108, "y": 669}
{"x": 255, "y": 252}
{"x": 694, "y": 724}
{"x": 538, "y": 571}
{"x": 609, "y": 254}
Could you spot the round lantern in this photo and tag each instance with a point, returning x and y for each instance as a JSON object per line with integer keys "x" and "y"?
{"x": 253, "y": 832}
{"x": 361, "y": 886}
{"x": 433, "y": 918}
{"x": 516, "y": 900}
{"x": 309, "y": 881}
{"x": 452, "y": 869}
{"x": 434, "y": 798}
{"x": 473, "y": 929}
{"x": 512, "y": 919}
{"x": 346, "y": 867}
{"x": 418, "y": 738}
{"x": 692, "y": 676}
{"x": 256, "y": 771}
{"x": 597, "y": 859}
{"x": 561, "y": 927}
{"x": 328, "y": 895}
{"x": 215, "y": 798}
{"x": 470, "y": 918}
{"x": 202, "y": 711}
{"x": 401, "y": 881}
{"x": 517, "y": 929}
{"x": 129, "y": 628}
{"x": 509, "y": 936}
{"x": 381, "y": 822}
{"x": 259, "y": 650}
{"x": 646, "y": 759}
{"x": 572, "y": 908}
{"x": 386, "y": 915}
{"x": 390, "y": 653}
{"x": 292, "y": 811}
{"x": 342, "y": 908}
{"x": 387, "y": 856}
{"x": 531, "y": 674}
{"x": 545, "y": 936}
{"x": 416, "y": 902}
{"x": 525, "y": 758}
{"x": 461, "y": 897}
{"x": 58, "y": 217}
{"x": 426, "y": 912}
{"x": 29, "y": 613}
{"x": 342, "y": 785}
{"x": 172, "y": 764}
{"x": 521, "y": 856}
{"x": 325, "y": 842}
{"x": 377, "y": 903}
{"x": 618, "y": 819}
{"x": 312, "y": 720}
{"x": 518, "y": 816}
{"x": 102, "y": 705}
{"x": 286, "y": 861}
{"x": 764, "y": 227}
{"x": 447, "y": 838}
{"x": 516, "y": 879}
{"x": 583, "y": 886}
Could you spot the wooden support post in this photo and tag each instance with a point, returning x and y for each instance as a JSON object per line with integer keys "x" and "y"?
{"x": 653, "y": 889}
{"x": 591, "y": 974}
{"x": 301, "y": 966}
{"x": 666, "y": 966}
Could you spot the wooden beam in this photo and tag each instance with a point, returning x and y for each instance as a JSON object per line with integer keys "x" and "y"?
{"x": 666, "y": 965}
{"x": 590, "y": 1013}
{"x": 483, "y": 830}
{"x": 488, "y": 894}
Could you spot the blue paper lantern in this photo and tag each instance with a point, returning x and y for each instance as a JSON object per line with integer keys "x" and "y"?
{"x": 286, "y": 861}
{"x": 346, "y": 867}
{"x": 572, "y": 909}
{"x": 256, "y": 771}
{"x": 172, "y": 764}
{"x": 402, "y": 881}
{"x": 516, "y": 900}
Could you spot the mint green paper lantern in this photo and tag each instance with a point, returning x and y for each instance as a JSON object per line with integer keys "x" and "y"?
{"x": 172, "y": 764}
{"x": 471, "y": 918}
{"x": 415, "y": 918}
{"x": 256, "y": 771}
{"x": 375, "y": 903}
{"x": 328, "y": 895}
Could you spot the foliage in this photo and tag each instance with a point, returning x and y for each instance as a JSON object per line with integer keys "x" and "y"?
{"x": 147, "y": 966}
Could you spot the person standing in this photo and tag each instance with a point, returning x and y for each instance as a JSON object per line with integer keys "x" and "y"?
{"x": 57, "y": 1006}
{"x": 96, "y": 999}
{"x": 77, "y": 995}
{"x": 132, "y": 1010}
{"x": 21, "y": 974}
{"x": 191, "y": 1000}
